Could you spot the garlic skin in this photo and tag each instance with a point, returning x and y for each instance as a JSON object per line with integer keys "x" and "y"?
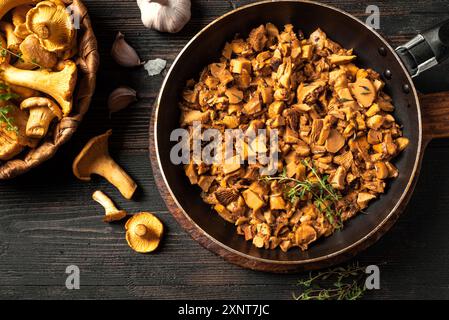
{"x": 155, "y": 67}
{"x": 165, "y": 15}
{"x": 121, "y": 98}
{"x": 123, "y": 53}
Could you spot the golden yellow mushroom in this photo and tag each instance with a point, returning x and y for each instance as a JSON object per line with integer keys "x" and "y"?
{"x": 52, "y": 24}
{"x": 59, "y": 85}
{"x": 95, "y": 159}
{"x": 7, "y": 5}
{"x": 144, "y": 232}
{"x": 35, "y": 56}
{"x": 42, "y": 112}
{"x": 111, "y": 213}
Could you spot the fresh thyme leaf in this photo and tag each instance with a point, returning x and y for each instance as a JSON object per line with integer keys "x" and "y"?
{"x": 4, "y": 52}
{"x": 323, "y": 195}
{"x": 9, "y": 121}
{"x": 8, "y": 96}
{"x": 348, "y": 283}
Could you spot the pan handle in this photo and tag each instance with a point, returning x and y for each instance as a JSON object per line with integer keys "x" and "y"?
{"x": 435, "y": 116}
{"x": 426, "y": 50}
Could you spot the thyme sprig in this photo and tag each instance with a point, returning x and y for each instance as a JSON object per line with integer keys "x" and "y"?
{"x": 9, "y": 121}
{"x": 4, "y": 52}
{"x": 6, "y": 110}
{"x": 348, "y": 283}
{"x": 321, "y": 191}
{"x": 8, "y": 96}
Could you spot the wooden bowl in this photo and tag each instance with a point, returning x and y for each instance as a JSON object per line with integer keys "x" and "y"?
{"x": 87, "y": 62}
{"x": 422, "y": 121}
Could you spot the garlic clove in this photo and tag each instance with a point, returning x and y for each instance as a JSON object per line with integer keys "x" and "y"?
{"x": 165, "y": 15}
{"x": 123, "y": 53}
{"x": 121, "y": 98}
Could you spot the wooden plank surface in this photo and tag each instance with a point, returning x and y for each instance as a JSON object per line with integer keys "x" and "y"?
{"x": 48, "y": 220}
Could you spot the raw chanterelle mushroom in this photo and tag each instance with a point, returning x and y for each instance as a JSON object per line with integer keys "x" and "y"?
{"x": 23, "y": 92}
{"x": 7, "y": 5}
{"x": 34, "y": 55}
{"x": 95, "y": 159}
{"x": 12, "y": 41}
{"x": 144, "y": 232}
{"x": 42, "y": 112}
{"x": 5, "y": 57}
{"x": 12, "y": 142}
{"x": 111, "y": 211}
{"x": 52, "y": 24}
{"x": 59, "y": 85}
{"x": 19, "y": 19}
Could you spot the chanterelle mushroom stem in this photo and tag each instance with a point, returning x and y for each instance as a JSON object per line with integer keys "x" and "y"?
{"x": 42, "y": 30}
{"x": 95, "y": 159}
{"x": 112, "y": 172}
{"x": 59, "y": 85}
{"x": 42, "y": 112}
{"x": 111, "y": 211}
{"x": 140, "y": 230}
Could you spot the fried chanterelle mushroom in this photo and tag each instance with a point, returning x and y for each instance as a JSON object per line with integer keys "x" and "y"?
{"x": 337, "y": 135}
{"x": 144, "y": 232}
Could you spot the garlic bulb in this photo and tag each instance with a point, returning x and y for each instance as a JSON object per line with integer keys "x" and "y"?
{"x": 165, "y": 15}
{"x": 121, "y": 98}
{"x": 123, "y": 53}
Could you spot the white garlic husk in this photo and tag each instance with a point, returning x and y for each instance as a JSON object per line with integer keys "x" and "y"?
{"x": 155, "y": 67}
{"x": 165, "y": 15}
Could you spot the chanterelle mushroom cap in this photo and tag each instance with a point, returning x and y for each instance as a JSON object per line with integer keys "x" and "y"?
{"x": 95, "y": 159}
{"x": 19, "y": 19}
{"x": 12, "y": 41}
{"x": 12, "y": 142}
{"x": 144, "y": 232}
{"x": 52, "y": 24}
{"x": 7, "y": 5}
{"x": 42, "y": 112}
{"x": 58, "y": 84}
{"x": 34, "y": 55}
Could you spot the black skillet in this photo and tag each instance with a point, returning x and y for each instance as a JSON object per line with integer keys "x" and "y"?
{"x": 398, "y": 67}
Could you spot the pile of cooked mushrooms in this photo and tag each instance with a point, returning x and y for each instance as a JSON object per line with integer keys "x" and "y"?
{"x": 337, "y": 135}
{"x": 37, "y": 72}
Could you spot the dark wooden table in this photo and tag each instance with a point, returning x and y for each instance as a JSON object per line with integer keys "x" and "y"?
{"x": 48, "y": 220}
